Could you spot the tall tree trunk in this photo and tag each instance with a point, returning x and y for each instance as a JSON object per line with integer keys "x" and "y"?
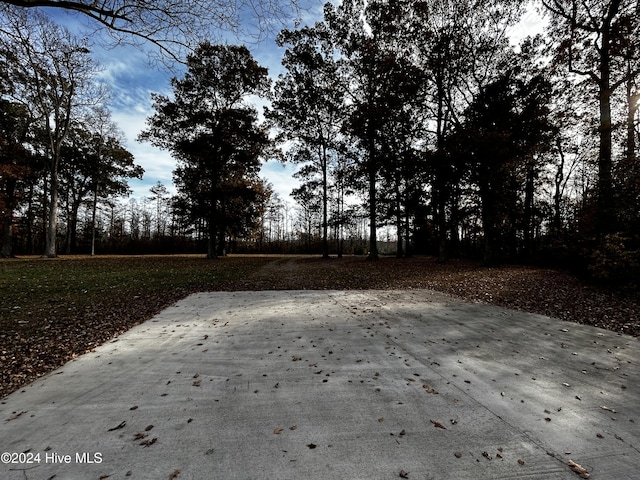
{"x": 488, "y": 216}
{"x": 439, "y": 182}
{"x": 399, "y": 252}
{"x": 529, "y": 191}
{"x": 407, "y": 231}
{"x": 606, "y": 220}
{"x": 52, "y": 220}
{"x": 325, "y": 201}
{"x": 221, "y": 246}
{"x": 557, "y": 195}
{"x": 212, "y": 249}
{"x": 94, "y": 208}
{"x": 632, "y": 108}
{"x": 373, "y": 173}
{"x": 7, "y": 240}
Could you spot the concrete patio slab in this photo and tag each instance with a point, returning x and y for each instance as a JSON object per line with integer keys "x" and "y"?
{"x": 334, "y": 384}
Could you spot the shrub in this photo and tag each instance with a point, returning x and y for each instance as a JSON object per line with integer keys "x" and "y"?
{"x": 616, "y": 260}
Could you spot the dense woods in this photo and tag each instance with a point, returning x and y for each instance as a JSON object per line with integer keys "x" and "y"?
{"x": 418, "y": 127}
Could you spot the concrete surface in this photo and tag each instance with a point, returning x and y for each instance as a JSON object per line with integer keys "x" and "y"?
{"x": 324, "y": 385}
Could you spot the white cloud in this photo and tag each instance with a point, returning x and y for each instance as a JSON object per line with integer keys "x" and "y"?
{"x": 281, "y": 178}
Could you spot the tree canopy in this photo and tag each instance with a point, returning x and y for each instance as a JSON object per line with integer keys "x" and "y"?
{"x": 213, "y": 133}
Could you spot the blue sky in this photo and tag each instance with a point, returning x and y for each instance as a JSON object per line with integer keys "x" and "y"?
{"x": 132, "y": 79}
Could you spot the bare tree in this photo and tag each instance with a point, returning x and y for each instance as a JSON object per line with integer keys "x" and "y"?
{"x": 52, "y": 76}
{"x": 175, "y": 27}
{"x": 596, "y": 38}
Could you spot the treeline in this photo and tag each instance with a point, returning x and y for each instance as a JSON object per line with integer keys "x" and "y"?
{"x": 464, "y": 142}
{"x": 60, "y": 152}
{"x": 420, "y": 119}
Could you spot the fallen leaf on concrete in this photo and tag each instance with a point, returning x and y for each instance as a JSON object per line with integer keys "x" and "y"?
{"x": 486, "y": 455}
{"x": 135, "y": 407}
{"x": 402, "y": 433}
{"x": 102, "y": 477}
{"x": 277, "y": 431}
{"x": 148, "y": 443}
{"x": 118, "y": 427}
{"x": 174, "y": 475}
{"x": 381, "y": 419}
{"x": 404, "y": 474}
{"x": 140, "y": 436}
{"x": 15, "y": 415}
{"x": 197, "y": 383}
{"x": 520, "y": 461}
{"x": 293, "y": 427}
{"x": 312, "y": 446}
{"x": 438, "y": 425}
{"x": 599, "y": 435}
{"x": 579, "y": 469}
{"x": 429, "y": 389}
{"x": 457, "y": 454}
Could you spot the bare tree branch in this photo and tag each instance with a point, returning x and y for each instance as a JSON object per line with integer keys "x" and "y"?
{"x": 175, "y": 26}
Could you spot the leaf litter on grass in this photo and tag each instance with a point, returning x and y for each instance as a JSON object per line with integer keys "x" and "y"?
{"x": 54, "y": 310}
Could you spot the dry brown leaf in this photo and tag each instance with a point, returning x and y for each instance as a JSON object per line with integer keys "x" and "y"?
{"x": 438, "y": 425}
{"x": 174, "y": 475}
{"x": 148, "y": 443}
{"x": 118, "y": 427}
{"x": 429, "y": 389}
{"x": 579, "y": 469}
{"x": 140, "y": 436}
{"x": 15, "y": 415}
{"x": 404, "y": 474}
{"x": 277, "y": 431}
